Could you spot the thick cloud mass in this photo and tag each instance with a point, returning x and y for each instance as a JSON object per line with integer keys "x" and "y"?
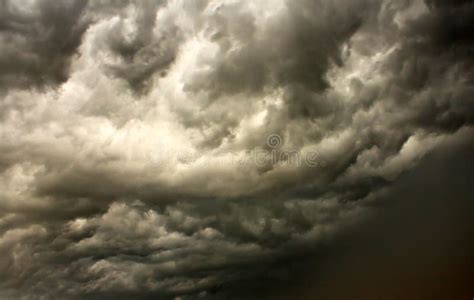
{"x": 131, "y": 136}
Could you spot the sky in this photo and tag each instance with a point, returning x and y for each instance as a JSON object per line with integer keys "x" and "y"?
{"x": 231, "y": 149}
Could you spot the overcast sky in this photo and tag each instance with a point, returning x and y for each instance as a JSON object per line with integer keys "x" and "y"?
{"x": 231, "y": 149}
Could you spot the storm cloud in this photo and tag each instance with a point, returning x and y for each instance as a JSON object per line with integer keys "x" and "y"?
{"x": 177, "y": 149}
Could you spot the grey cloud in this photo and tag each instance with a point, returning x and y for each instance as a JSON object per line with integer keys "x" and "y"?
{"x": 38, "y": 40}
{"x": 145, "y": 53}
{"x": 293, "y": 48}
{"x": 90, "y": 208}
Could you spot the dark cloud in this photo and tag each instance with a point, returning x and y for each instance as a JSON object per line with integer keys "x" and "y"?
{"x": 416, "y": 247}
{"x": 38, "y": 41}
{"x": 136, "y": 161}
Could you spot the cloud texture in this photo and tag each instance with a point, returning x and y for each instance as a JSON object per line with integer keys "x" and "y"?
{"x": 128, "y": 133}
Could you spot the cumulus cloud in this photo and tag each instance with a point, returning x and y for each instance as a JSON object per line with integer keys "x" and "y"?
{"x": 134, "y": 152}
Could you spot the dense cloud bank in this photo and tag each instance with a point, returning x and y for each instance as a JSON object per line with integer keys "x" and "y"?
{"x": 132, "y": 135}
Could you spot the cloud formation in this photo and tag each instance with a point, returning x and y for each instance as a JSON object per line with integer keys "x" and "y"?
{"x": 97, "y": 96}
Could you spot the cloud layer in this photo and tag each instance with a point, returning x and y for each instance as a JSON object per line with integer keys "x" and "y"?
{"x": 119, "y": 122}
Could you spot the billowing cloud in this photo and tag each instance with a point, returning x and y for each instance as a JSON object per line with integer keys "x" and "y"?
{"x": 185, "y": 149}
